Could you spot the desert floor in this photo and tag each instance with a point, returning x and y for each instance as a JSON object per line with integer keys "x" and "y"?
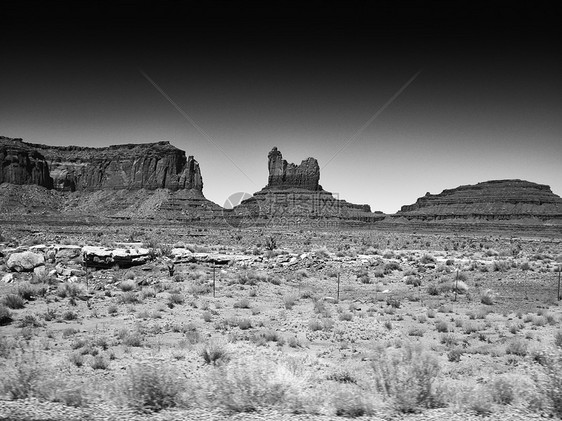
{"x": 422, "y": 326}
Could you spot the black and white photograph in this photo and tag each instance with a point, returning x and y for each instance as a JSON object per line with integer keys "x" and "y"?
{"x": 280, "y": 210}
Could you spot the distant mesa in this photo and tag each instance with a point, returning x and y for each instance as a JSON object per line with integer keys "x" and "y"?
{"x": 132, "y": 180}
{"x": 72, "y": 168}
{"x": 496, "y": 200}
{"x": 293, "y": 193}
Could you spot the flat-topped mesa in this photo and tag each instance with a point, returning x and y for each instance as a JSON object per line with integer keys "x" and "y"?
{"x": 489, "y": 200}
{"x": 73, "y": 168}
{"x": 283, "y": 175}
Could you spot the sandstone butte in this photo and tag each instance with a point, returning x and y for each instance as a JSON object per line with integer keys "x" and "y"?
{"x": 293, "y": 194}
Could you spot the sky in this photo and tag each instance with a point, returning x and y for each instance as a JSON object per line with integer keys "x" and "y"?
{"x": 394, "y": 99}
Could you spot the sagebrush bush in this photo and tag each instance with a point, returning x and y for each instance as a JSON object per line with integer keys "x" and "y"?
{"x": 150, "y": 387}
{"x": 5, "y": 315}
{"x": 351, "y": 402}
{"x": 13, "y": 301}
{"x": 408, "y": 377}
{"x": 214, "y": 353}
{"x": 251, "y": 385}
{"x": 23, "y": 378}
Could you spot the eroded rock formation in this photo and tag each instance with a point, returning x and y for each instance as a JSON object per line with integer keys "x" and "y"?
{"x": 293, "y": 195}
{"x": 285, "y": 175}
{"x": 22, "y": 164}
{"x": 496, "y": 200}
{"x": 72, "y": 168}
{"x": 125, "y": 181}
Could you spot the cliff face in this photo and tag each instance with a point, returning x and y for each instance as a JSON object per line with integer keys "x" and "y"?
{"x": 284, "y": 175}
{"x": 21, "y": 164}
{"x": 490, "y": 200}
{"x": 133, "y": 166}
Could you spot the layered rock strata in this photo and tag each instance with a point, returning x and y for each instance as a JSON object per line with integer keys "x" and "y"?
{"x": 293, "y": 195}
{"x": 496, "y": 200}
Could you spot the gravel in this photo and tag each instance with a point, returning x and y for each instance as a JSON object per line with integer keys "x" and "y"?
{"x": 35, "y": 410}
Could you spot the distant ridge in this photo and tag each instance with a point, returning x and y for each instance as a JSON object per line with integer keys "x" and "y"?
{"x": 495, "y": 200}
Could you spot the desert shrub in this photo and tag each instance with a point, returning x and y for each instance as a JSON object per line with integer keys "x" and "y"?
{"x": 517, "y": 346}
{"x": 13, "y": 301}
{"x": 69, "y": 315}
{"x": 131, "y": 338}
{"x": 350, "y": 402}
{"x": 441, "y": 326}
{"x": 444, "y": 288}
{"x": 391, "y": 266}
{"x": 408, "y": 377}
{"x": 244, "y": 324}
{"x": 432, "y": 290}
{"x": 416, "y": 331}
{"x": 449, "y": 339}
{"x": 413, "y": 280}
{"x": 206, "y": 316}
{"x": 393, "y": 302}
{"x": 129, "y": 284}
{"x": 26, "y": 291}
{"x": 112, "y": 309}
{"x": 315, "y": 325}
{"x": 251, "y": 385}
{"x": 289, "y": 300}
{"x": 99, "y": 363}
{"x": 24, "y": 377}
{"x": 176, "y": 299}
{"x": 346, "y": 316}
{"x": 71, "y": 290}
{"x": 455, "y": 354}
{"x": 148, "y": 292}
{"x": 427, "y": 259}
{"x": 243, "y": 303}
{"x": 5, "y": 316}
{"x": 379, "y": 273}
{"x": 502, "y": 390}
{"x": 550, "y": 382}
{"x": 150, "y": 387}
{"x": 77, "y": 359}
{"x": 214, "y": 353}
{"x": 29, "y": 320}
{"x": 500, "y": 266}
{"x": 430, "y": 313}
{"x": 558, "y": 339}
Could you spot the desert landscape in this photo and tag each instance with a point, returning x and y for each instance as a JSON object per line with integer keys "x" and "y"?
{"x": 280, "y": 211}
{"x": 159, "y": 304}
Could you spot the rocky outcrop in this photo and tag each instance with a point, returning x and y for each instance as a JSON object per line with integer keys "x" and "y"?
{"x": 72, "y": 168}
{"x": 496, "y": 200}
{"x": 284, "y": 175}
{"x": 21, "y": 164}
{"x": 25, "y": 261}
{"x": 293, "y": 197}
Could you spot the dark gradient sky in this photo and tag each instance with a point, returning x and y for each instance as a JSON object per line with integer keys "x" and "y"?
{"x": 487, "y": 103}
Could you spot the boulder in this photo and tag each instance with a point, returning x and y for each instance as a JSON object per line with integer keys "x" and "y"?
{"x": 25, "y": 262}
{"x": 101, "y": 257}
